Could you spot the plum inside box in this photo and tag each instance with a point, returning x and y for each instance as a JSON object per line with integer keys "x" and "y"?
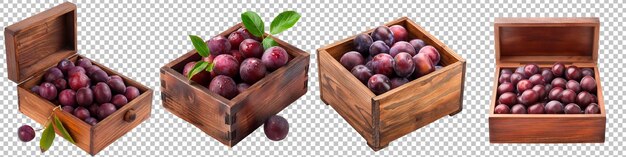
{"x": 230, "y": 121}
{"x": 545, "y": 41}
{"x": 383, "y": 118}
{"x": 38, "y": 43}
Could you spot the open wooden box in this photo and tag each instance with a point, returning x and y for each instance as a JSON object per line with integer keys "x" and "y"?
{"x": 230, "y": 121}
{"x": 383, "y": 118}
{"x": 38, "y": 43}
{"x": 544, "y": 41}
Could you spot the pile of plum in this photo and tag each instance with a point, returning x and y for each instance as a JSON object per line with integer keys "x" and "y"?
{"x": 557, "y": 90}
{"x": 389, "y": 55}
{"x": 239, "y": 61}
{"x": 85, "y": 90}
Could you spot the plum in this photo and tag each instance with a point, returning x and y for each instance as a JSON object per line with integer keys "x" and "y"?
{"x": 119, "y": 100}
{"x": 558, "y": 69}
{"x": 573, "y": 85}
{"x": 541, "y": 91}
{"x": 529, "y": 97}
{"x": 399, "y": 33}
{"x": 504, "y": 78}
{"x": 506, "y": 71}
{"x": 516, "y": 77}
{"x": 537, "y": 108}
{"x": 25, "y": 133}
{"x": 572, "y": 109}
{"x": 202, "y": 77}
{"x": 106, "y": 110}
{"x": 65, "y": 65}
{"x": 242, "y": 87}
{"x": 251, "y": 48}
{"x": 35, "y": 89}
{"x": 404, "y": 65}
{"x": 547, "y": 75}
{"x": 92, "y": 69}
{"x": 379, "y": 84}
{"x": 67, "y": 97}
{"x": 423, "y": 65}
{"x": 351, "y": 59}
{"x": 245, "y": 32}
{"x": 276, "y": 128}
{"x": 505, "y": 87}
{"x": 518, "y": 109}
{"x": 588, "y": 84}
{"x": 48, "y": 91}
{"x": 131, "y": 93}
{"x": 362, "y": 73}
{"x": 398, "y": 81}
{"x": 584, "y": 98}
{"x": 81, "y": 113}
{"x": 274, "y": 58}
{"x": 383, "y": 64}
{"x": 402, "y": 46}
{"x": 573, "y": 73}
{"x": 568, "y": 96}
{"x": 116, "y": 77}
{"x": 383, "y": 33}
{"x": 223, "y": 86}
{"x": 531, "y": 69}
{"x": 554, "y": 107}
{"x": 537, "y": 79}
{"x": 362, "y": 43}
{"x": 218, "y": 45}
{"x": 593, "y": 108}
{"x": 76, "y": 69}
{"x": 61, "y": 84}
{"x": 559, "y": 82}
{"x": 508, "y": 98}
{"x": 91, "y": 121}
{"x": 520, "y": 70}
{"x": 93, "y": 109}
{"x": 53, "y": 74}
{"x": 68, "y": 109}
{"x": 102, "y": 93}
{"x": 502, "y": 109}
{"x": 252, "y": 70}
{"x": 417, "y": 44}
{"x": 238, "y": 55}
{"x": 432, "y": 53}
{"x": 117, "y": 85}
{"x": 84, "y": 62}
{"x": 226, "y": 64}
{"x": 555, "y": 93}
{"x": 84, "y": 96}
{"x": 235, "y": 38}
{"x": 99, "y": 76}
{"x": 378, "y": 47}
{"x": 587, "y": 72}
{"x": 524, "y": 85}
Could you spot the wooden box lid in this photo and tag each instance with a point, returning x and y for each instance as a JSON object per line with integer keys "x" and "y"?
{"x": 547, "y": 40}
{"x": 40, "y": 41}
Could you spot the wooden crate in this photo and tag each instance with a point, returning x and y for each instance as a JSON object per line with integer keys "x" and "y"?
{"x": 38, "y": 43}
{"x": 383, "y": 118}
{"x": 544, "y": 41}
{"x": 230, "y": 121}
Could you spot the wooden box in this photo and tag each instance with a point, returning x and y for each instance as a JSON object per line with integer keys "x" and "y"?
{"x": 230, "y": 121}
{"x": 38, "y": 43}
{"x": 544, "y": 41}
{"x": 383, "y": 118}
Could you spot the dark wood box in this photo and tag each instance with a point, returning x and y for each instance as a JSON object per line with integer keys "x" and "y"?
{"x": 383, "y": 118}
{"x": 38, "y": 43}
{"x": 230, "y": 121}
{"x": 544, "y": 41}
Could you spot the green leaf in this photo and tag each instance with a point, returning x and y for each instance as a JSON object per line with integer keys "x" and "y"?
{"x": 47, "y": 137}
{"x": 210, "y": 67}
{"x": 269, "y": 42}
{"x": 201, "y": 65}
{"x": 59, "y": 126}
{"x": 253, "y": 22}
{"x": 284, "y": 21}
{"x": 200, "y": 45}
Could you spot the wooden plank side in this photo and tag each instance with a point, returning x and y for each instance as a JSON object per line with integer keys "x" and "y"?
{"x": 421, "y": 102}
{"x": 546, "y": 130}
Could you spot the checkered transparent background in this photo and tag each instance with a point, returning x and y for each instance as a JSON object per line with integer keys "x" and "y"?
{"x": 136, "y": 38}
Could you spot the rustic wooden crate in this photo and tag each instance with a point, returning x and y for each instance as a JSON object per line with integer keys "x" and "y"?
{"x": 38, "y": 43}
{"x": 544, "y": 41}
{"x": 230, "y": 121}
{"x": 383, "y": 118}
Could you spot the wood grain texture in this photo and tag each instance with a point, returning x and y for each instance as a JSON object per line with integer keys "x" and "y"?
{"x": 386, "y": 117}
{"x": 230, "y": 121}
{"x": 40, "y": 40}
